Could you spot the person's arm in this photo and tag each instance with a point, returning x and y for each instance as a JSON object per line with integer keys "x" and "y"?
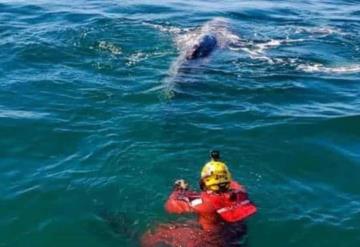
{"x": 179, "y": 200}
{"x": 236, "y": 186}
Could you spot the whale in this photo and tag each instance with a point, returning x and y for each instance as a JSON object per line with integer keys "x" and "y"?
{"x": 195, "y": 48}
{"x": 202, "y": 41}
{"x": 203, "y": 48}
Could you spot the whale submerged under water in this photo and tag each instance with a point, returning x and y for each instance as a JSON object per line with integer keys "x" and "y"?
{"x": 203, "y": 48}
{"x": 202, "y": 41}
{"x": 196, "y": 46}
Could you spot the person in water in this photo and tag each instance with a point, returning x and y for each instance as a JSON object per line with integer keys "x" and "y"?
{"x": 221, "y": 206}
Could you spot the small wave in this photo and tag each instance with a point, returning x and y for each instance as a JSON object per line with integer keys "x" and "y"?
{"x": 273, "y": 43}
{"x": 311, "y": 68}
{"x": 16, "y": 114}
{"x": 322, "y": 31}
{"x": 258, "y": 50}
{"x": 166, "y": 29}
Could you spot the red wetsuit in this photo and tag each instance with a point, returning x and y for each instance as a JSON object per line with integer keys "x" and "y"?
{"x": 220, "y": 218}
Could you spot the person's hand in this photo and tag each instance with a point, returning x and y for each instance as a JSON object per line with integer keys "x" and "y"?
{"x": 181, "y": 184}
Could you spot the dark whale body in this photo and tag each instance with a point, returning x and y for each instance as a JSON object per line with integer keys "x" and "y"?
{"x": 206, "y": 45}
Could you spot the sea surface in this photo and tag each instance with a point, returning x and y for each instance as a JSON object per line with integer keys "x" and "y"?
{"x": 99, "y": 116}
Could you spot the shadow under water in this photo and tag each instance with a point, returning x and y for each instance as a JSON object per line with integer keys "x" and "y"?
{"x": 190, "y": 234}
{"x": 120, "y": 224}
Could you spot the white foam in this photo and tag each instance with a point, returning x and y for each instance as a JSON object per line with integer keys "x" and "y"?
{"x": 166, "y": 29}
{"x": 266, "y": 45}
{"x": 174, "y": 30}
{"x": 310, "y": 68}
{"x": 108, "y": 46}
{"x": 273, "y": 43}
{"x": 258, "y": 51}
{"x": 321, "y": 31}
{"x": 136, "y": 58}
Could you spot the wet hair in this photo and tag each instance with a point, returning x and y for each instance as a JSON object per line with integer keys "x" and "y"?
{"x": 215, "y": 154}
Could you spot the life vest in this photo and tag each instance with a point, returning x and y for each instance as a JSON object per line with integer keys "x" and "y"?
{"x": 232, "y": 206}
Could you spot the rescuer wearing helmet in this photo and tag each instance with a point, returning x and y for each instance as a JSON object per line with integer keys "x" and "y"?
{"x": 215, "y": 175}
{"x": 221, "y": 206}
{"x": 221, "y": 200}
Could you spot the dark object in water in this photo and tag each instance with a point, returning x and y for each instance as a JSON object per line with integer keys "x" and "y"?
{"x": 119, "y": 223}
{"x": 202, "y": 49}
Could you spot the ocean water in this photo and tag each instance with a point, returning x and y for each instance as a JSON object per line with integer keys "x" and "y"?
{"x": 99, "y": 115}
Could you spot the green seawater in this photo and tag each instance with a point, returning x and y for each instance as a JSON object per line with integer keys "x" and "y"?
{"x": 95, "y": 127}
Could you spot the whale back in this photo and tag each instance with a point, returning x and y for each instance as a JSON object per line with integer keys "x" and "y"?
{"x": 203, "y": 48}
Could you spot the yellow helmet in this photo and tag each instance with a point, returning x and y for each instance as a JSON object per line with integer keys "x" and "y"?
{"x": 215, "y": 175}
